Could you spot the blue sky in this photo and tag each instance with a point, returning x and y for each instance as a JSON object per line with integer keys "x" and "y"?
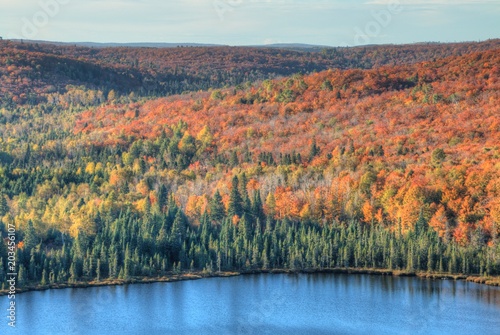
{"x": 250, "y": 22}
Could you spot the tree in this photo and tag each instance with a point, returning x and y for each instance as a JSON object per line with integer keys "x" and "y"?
{"x": 233, "y": 160}
{"x": 314, "y": 150}
{"x": 257, "y": 208}
{"x": 187, "y": 145}
{"x": 111, "y": 95}
{"x": 216, "y": 207}
{"x": 439, "y": 221}
{"x": 205, "y": 138}
{"x": 216, "y": 95}
{"x": 22, "y": 276}
{"x": 437, "y": 157}
{"x": 245, "y": 228}
{"x": 4, "y": 207}
{"x": 162, "y": 197}
{"x": 30, "y": 238}
{"x": 235, "y": 206}
{"x": 178, "y": 230}
{"x": 327, "y": 85}
{"x": 271, "y": 205}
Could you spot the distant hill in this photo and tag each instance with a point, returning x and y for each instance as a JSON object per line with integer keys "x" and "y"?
{"x": 167, "y": 45}
{"x": 116, "y": 45}
{"x": 30, "y": 71}
{"x": 295, "y": 46}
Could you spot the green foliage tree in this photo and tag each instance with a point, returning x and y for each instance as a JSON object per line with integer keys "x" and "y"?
{"x": 217, "y": 211}
{"x": 235, "y": 206}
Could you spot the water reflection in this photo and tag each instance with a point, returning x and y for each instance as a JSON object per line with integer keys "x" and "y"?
{"x": 266, "y": 304}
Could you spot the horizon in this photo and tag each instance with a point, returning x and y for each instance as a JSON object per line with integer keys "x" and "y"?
{"x": 197, "y": 44}
{"x": 334, "y": 23}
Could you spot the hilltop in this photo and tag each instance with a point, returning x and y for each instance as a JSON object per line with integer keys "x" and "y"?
{"x": 30, "y": 72}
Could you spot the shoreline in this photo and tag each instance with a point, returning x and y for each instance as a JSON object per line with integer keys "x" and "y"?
{"x": 490, "y": 281}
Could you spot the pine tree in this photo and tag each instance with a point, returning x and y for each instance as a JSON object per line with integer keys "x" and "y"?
{"x": 22, "y": 277}
{"x": 314, "y": 151}
{"x": 127, "y": 263}
{"x": 4, "y": 207}
{"x": 72, "y": 271}
{"x": 178, "y": 230}
{"x": 271, "y": 204}
{"x": 98, "y": 270}
{"x": 235, "y": 201}
{"x": 430, "y": 260}
{"x": 245, "y": 228}
{"x": 257, "y": 208}
{"x": 233, "y": 160}
{"x": 30, "y": 238}
{"x": 45, "y": 279}
{"x": 162, "y": 196}
{"x": 217, "y": 211}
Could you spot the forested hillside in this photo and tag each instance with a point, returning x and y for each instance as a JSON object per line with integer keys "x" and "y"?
{"x": 31, "y": 73}
{"x": 392, "y": 164}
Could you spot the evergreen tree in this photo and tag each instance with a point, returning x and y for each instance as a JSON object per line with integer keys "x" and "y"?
{"x": 178, "y": 230}
{"x": 257, "y": 208}
{"x": 314, "y": 150}
{"x": 217, "y": 211}
{"x": 30, "y": 239}
{"x": 4, "y": 207}
{"x": 233, "y": 160}
{"x": 235, "y": 201}
{"x": 162, "y": 196}
{"x": 22, "y": 276}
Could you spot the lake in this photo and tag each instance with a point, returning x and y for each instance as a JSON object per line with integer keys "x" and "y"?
{"x": 264, "y": 304}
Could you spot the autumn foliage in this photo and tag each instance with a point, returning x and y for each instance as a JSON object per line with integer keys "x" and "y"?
{"x": 383, "y": 156}
{"x": 396, "y": 143}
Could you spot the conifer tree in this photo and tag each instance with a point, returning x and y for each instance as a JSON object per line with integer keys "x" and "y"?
{"x": 217, "y": 211}
{"x": 235, "y": 201}
{"x": 4, "y": 207}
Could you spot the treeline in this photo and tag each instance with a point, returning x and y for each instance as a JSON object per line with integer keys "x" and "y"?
{"x": 162, "y": 241}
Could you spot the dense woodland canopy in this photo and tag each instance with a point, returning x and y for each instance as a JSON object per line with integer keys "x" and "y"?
{"x": 387, "y": 159}
{"x": 31, "y": 73}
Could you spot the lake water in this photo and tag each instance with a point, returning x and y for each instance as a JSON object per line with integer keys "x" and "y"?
{"x": 264, "y": 304}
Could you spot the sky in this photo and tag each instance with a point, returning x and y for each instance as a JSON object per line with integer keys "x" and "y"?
{"x": 251, "y": 22}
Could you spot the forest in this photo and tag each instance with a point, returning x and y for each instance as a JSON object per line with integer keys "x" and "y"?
{"x": 30, "y": 72}
{"x": 121, "y": 163}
